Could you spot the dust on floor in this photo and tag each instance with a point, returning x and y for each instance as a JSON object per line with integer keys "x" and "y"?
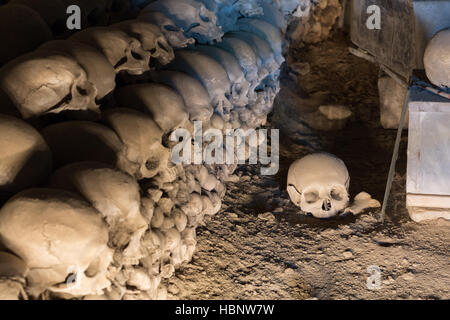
{"x": 262, "y": 247}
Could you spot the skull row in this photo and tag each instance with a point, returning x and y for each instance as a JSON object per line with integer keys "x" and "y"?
{"x": 134, "y": 211}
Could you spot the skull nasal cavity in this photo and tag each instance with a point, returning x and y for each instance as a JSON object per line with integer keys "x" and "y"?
{"x": 326, "y": 205}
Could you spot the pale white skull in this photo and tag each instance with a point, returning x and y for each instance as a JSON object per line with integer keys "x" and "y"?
{"x": 240, "y": 87}
{"x": 122, "y": 51}
{"x": 76, "y": 141}
{"x": 262, "y": 50}
{"x": 142, "y": 138}
{"x": 98, "y": 69}
{"x": 60, "y": 237}
{"x": 437, "y": 59}
{"x": 174, "y": 34}
{"x": 21, "y": 30}
{"x": 210, "y": 73}
{"x": 273, "y": 15}
{"x": 25, "y": 158}
{"x": 114, "y": 194}
{"x": 318, "y": 184}
{"x": 151, "y": 38}
{"x": 195, "y": 96}
{"x": 265, "y": 30}
{"x": 47, "y": 81}
{"x": 250, "y": 63}
{"x": 164, "y": 104}
{"x": 192, "y": 16}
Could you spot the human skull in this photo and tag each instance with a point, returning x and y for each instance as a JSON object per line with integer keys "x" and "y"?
{"x": 318, "y": 184}
{"x": 151, "y": 38}
{"x": 125, "y": 53}
{"x": 240, "y": 87}
{"x": 210, "y": 73}
{"x": 266, "y": 31}
{"x": 21, "y": 30}
{"x": 192, "y": 16}
{"x": 76, "y": 141}
{"x": 46, "y": 81}
{"x": 249, "y": 61}
{"x": 59, "y": 236}
{"x": 113, "y": 193}
{"x": 195, "y": 96}
{"x": 437, "y": 59}
{"x": 98, "y": 69}
{"x": 174, "y": 34}
{"x": 142, "y": 139}
{"x": 164, "y": 104}
{"x": 262, "y": 49}
{"x": 274, "y": 16}
{"x": 25, "y": 158}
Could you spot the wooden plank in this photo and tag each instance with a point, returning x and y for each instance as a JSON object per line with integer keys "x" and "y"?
{"x": 393, "y": 44}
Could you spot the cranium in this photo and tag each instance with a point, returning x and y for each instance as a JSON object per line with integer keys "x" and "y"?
{"x": 250, "y": 62}
{"x": 59, "y": 236}
{"x": 210, "y": 73}
{"x": 142, "y": 138}
{"x": 121, "y": 50}
{"x": 274, "y": 16}
{"x": 76, "y": 141}
{"x": 192, "y": 16}
{"x": 164, "y": 104}
{"x": 262, "y": 50}
{"x": 47, "y": 81}
{"x": 21, "y": 30}
{"x": 195, "y": 96}
{"x": 113, "y": 193}
{"x": 266, "y": 31}
{"x": 151, "y": 38}
{"x": 174, "y": 34}
{"x": 437, "y": 59}
{"x": 52, "y": 11}
{"x": 98, "y": 69}
{"x": 318, "y": 184}
{"x": 239, "y": 85}
{"x": 25, "y": 159}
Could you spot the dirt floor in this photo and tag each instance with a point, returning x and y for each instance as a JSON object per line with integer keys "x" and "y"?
{"x": 262, "y": 247}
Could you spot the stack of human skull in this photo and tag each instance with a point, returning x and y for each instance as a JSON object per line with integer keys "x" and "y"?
{"x": 117, "y": 216}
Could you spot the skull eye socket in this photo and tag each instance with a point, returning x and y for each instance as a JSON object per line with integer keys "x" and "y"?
{"x": 194, "y": 25}
{"x": 336, "y": 194}
{"x": 152, "y": 164}
{"x": 82, "y": 91}
{"x": 137, "y": 56}
{"x": 162, "y": 46}
{"x": 204, "y": 19}
{"x": 168, "y": 27}
{"x": 311, "y": 197}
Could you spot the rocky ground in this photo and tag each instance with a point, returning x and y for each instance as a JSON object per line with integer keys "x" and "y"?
{"x": 262, "y": 247}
